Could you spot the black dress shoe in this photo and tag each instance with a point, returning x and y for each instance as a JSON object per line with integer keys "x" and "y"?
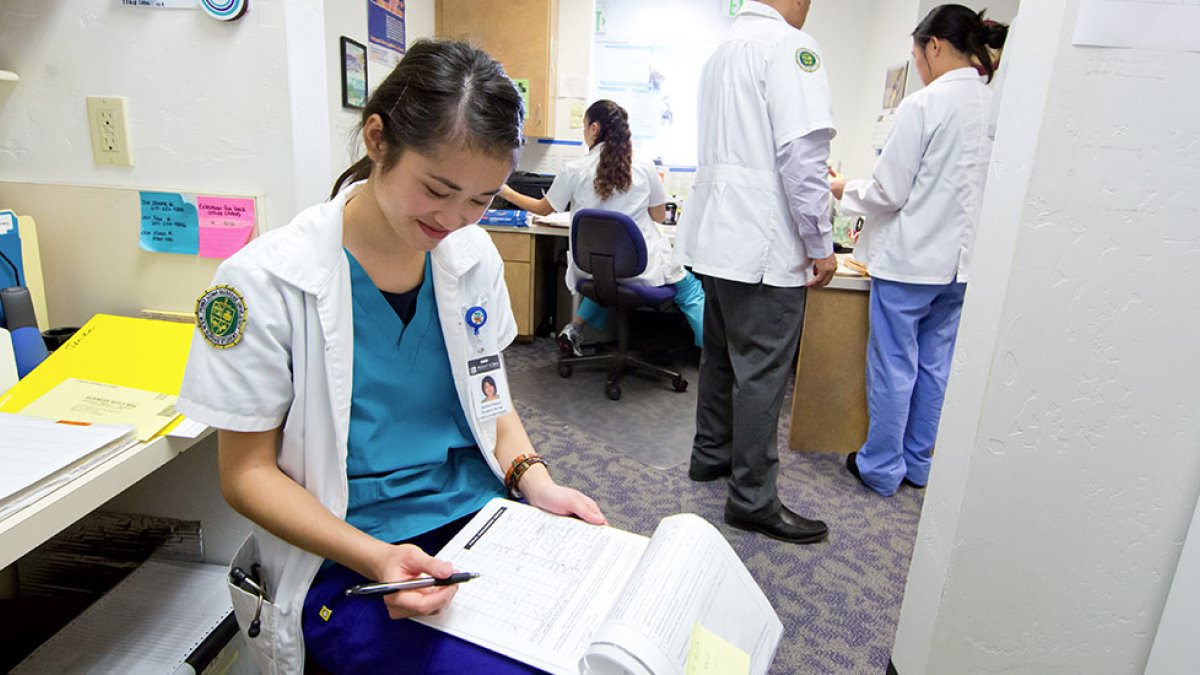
{"x": 705, "y": 474}
{"x": 786, "y": 525}
{"x": 911, "y": 484}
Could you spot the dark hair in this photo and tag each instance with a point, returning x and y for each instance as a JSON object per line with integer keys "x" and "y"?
{"x": 614, "y": 173}
{"x": 966, "y": 30}
{"x": 442, "y": 92}
{"x": 487, "y": 379}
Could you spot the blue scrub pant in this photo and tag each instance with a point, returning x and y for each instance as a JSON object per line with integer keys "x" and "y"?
{"x": 911, "y": 344}
{"x": 689, "y": 297}
{"x": 359, "y": 637}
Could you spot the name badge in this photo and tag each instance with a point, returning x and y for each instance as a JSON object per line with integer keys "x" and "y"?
{"x": 489, "y": 387}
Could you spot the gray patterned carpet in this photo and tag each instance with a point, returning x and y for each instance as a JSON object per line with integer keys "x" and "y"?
{"x": 839, "y": 600}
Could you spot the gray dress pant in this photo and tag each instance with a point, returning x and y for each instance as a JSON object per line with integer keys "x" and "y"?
{"x": 750, "y": 335}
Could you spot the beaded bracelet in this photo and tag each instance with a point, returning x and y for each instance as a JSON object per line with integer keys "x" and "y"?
{"x": 517, "y": 470}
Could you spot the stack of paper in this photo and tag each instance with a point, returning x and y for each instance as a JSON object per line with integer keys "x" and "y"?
{"x": 75, "y": 400}
{"x": 150, "y": 623}
{"x": 40, "y": 455}
{"x": 556, "y": 219}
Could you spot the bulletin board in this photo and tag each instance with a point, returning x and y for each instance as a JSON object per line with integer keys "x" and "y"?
{"x": 92, "y": 260}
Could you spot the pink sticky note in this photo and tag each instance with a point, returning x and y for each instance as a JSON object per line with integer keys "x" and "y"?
{"x": 226, "y": 224}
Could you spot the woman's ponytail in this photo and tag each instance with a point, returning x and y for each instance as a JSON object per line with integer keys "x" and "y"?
{"x": 615, "y": 171}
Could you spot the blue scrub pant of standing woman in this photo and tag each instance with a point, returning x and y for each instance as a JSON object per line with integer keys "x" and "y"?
{"x": 911, "y": 344}
{"x": 689, "y": 297}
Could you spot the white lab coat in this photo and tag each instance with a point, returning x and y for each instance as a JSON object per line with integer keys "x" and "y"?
{"x": 575, "y": 185}
{"x": 755, "y": 98}
{"x": 293, "y": 368}
{"x": 927, "y": 189}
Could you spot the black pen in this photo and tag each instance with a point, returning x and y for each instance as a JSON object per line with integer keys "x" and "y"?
{"x": 385, "y": 587}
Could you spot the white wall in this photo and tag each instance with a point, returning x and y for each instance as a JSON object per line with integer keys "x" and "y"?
{"x": 575, "y": 25}
{"x": 1067, "y": 470}
{"x": 349, "y": 18}
{"x": 860, "y": 39}
{"x": 208, "y": 101}
{"x": 1003, "y": 11}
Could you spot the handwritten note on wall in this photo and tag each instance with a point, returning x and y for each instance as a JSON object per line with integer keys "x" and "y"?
{"x": 188, "y": 224}
{"x": 226, "y": 224}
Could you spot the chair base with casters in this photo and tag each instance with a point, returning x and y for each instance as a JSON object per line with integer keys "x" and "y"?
{"x": 620, "y": 361}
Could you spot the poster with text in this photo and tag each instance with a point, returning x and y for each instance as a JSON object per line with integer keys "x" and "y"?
{"x": 385, "y": 35}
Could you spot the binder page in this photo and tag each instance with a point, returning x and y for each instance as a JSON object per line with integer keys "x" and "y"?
{"x": 546, "y": 582}
{"x": 36, "y": 455}
{"x": 689, "y": 574}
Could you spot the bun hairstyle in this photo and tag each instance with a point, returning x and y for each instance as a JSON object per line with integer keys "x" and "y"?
{"x": 614, "y": 173}
{"x": 443, "y": 92}
{"x": 967, "y": 31}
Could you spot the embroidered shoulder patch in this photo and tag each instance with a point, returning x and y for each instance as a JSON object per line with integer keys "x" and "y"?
{"x": 221, "y": 316}
{"x": 808, "y": 60}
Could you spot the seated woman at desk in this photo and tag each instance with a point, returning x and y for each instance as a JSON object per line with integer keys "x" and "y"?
{"x": 335, "y": 356}
{"x": 609, "y": 178}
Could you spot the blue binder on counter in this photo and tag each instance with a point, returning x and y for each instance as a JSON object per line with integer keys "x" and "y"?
{"x": 513, "y": 217}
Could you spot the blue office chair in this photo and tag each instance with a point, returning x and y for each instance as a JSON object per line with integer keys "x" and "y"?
{"x": 609, "y": 246}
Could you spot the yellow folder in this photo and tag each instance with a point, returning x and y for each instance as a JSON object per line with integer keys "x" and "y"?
{"x": 138, "y": 353}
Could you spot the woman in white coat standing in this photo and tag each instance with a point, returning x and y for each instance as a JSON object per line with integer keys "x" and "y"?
{"x": 924, "y": 199}
{"x": 341, "y": 359}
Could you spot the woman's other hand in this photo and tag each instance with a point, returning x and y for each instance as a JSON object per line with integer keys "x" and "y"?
{"x": 564, "y": 501}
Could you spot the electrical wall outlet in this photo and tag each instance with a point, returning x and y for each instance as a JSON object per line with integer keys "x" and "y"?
{"x": 110, "y": 132}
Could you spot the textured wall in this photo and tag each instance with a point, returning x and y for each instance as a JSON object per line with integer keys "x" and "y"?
{"x": 1067, "y": 470}
{"x": 208, "y": 101}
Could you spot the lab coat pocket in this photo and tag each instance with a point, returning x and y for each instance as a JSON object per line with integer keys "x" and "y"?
{"x": 246, "y": 609}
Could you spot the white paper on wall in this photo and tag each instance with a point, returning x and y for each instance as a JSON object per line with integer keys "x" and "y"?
{"x": 1172, "y": 25}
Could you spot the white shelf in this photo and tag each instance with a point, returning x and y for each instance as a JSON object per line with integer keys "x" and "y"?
{"x": 9, "y": 76}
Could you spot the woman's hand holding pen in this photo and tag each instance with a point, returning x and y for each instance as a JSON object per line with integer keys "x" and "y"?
{"x": 405, "y": 561}
{"x": 541, "y": 491}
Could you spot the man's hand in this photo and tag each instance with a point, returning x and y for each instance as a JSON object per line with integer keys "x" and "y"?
{"x": 837, "y": 186}
{"x": 823, "y": 270}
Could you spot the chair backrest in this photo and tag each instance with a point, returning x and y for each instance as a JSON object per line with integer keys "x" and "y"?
{"x": 609, "y": 246}
{"x": 601, "y": 238}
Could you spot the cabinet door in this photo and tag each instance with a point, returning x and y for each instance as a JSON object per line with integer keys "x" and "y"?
{"x": 519, "y": 278}
{"x": 522, "y": 35}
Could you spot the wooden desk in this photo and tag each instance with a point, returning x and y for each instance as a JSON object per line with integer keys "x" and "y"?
{"x": 528, "y": 254}
{"x": 829, "y": 404}
{"x": 23, "y": 531}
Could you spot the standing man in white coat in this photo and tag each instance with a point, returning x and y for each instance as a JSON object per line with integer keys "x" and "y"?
{"x": 757, "y": 232}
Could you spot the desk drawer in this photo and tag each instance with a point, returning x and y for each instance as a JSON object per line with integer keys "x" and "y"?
{"x": 514, "y": 246}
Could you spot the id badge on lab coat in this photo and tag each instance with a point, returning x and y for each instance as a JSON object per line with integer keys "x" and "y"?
{"x": 489, "y": 387}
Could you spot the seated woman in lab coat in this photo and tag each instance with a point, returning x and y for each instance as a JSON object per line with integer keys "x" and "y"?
{"x": 334, "y": 357}
{"x": 925, "y": 195}
{"x": 610, "y": 178}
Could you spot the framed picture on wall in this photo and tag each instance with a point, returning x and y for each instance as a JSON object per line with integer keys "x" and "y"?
{"x": 354, "y": 74}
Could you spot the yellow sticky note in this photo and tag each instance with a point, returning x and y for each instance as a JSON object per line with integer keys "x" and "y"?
{"x": 710, "y": 653}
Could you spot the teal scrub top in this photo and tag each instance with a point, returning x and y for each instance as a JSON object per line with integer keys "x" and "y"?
{"x": 413, "y": 464}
